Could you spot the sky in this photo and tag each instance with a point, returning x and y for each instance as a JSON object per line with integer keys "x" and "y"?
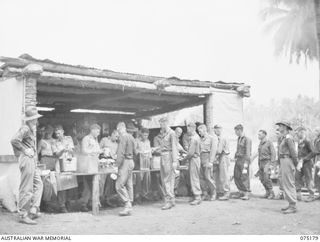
{"x": 206, "y": 40}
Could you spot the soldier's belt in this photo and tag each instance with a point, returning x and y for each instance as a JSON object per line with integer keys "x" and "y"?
{"x": 165, "y": 152}
{"x": 265, "y": 159}
{"x": 284, "y": 156}
{"x": 240, "y": 156}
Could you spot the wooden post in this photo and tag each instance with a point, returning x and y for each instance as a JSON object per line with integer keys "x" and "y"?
{"x": 95, "y": 194}
{"x": 208, "y": 113}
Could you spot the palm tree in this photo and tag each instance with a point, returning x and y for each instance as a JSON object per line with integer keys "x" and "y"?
{"x": 317, "y": 14}
{"x": 294, "y": 25}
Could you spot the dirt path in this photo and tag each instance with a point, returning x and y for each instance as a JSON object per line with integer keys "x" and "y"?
{"x": 257, "y": 216}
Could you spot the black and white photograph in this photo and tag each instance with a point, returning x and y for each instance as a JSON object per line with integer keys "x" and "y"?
{"x": 149, "y": 117}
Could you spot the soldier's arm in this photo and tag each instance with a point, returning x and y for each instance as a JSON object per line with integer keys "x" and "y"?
{"x": 149, "y": 149}
{"x": 70, "y": 145}
{"x": 138, "y": 147}
{"x": 174, "y": 147}
{"x": 102, "y": 143}
{"x": 54, "y": 148}
{"x": 248, "y": 151}
{"x": 120, "y": 151}
{"x": 225, "y": 147}
{"x": 292, "y": 150}
{"x": 213, "y": 149}
{"x": 310, "y": 148}
{"x": 192, "y": 149}
{"x": 156, "y": 145}
{"x": 316, "y": 150}
{"x": 39, "y": 147}
{"x": 135, "y": 146}
{"x": 185, "y": 141}
{"x": 272, "y": 152}
{"x": 85, "y": 146}
{"x": 16, "y": 140}
{"x": 255, "y": 155}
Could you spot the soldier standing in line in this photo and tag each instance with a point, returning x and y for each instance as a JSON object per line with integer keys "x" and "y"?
{"x": 166, "y": 145}
{"x": 241, "y": 168}
{"x": 266, "y": 155}
{"x": 208, "y": 150}
{"x": 125, "y": 153}
{"x": 223, "y": 160}
{"x": 89, "y": 146}
{"x": 31, "y": 187}
{"x": 62, "y": 147}
{"x": 144, "y": 155}
{"x": 193, "y": 156}
{"x": 288, "y": 163}
{"x": 280, "y": 195}
{"x": 109, "y": 146}
{"x": 304, "y": 169}
{"x": 317, "y": 161}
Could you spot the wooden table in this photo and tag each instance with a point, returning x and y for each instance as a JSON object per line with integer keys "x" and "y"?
{"x": 95, "y": 183}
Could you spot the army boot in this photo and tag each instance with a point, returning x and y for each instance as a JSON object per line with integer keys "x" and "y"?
{"x": 225, "y": 197}
{"x": 299, "y": 196}
{"x": 127, "y": 211}
{"x": 271, "y": 195}
{"x": 167, "y": 206}
{"x": 196, "y": 201}
{"x": 291, "y": 209}
{"x": 27, "y": 220}
{"x": 246, "y": 196}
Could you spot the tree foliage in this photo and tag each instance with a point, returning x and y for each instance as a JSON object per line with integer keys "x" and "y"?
{"x": 292, "y": 24}
{"x": 301, "y": 111}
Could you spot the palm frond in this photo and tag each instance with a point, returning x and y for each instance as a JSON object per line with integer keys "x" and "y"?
{"x": 292, "y": 26}
{"x": 271, "y": 12}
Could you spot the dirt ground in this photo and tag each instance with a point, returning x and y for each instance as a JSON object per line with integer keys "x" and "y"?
{"x": 233, "y": 217}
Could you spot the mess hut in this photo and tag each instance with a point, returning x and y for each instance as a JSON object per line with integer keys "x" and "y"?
{"x": 76, "y": 96}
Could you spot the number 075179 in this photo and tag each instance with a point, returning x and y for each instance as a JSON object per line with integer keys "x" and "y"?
{"x": 309, "y": 237}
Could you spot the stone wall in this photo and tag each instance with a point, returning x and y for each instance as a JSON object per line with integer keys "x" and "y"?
{"x": 30, "y": 91}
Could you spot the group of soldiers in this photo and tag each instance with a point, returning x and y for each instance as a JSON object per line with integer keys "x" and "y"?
{"x": 207, "y": 156}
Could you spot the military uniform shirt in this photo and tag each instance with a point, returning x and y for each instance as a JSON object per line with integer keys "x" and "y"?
{"x": 305, "y": 150}
{"x": 243, "y": 148}
{"x": 22, "y": 140}
{"x": 194, "y": 147}
{"x": 167, "y": 141}
{"x": 209, "y": 144}
{"x": 106, "y": 142}
{"x": 45, "y": 147}
{"x": 186, "y": 139}
{"x": 266, "y": 151}
{"x": 316, "y": 150}
{"x": 63, "y": 143}
{"x": 286, "y": 147}
{"x": 143, "y": 147}
{"x": 223, "y": 146}
{"x": 90, "y": 145}
{"x": 126, "y": 148}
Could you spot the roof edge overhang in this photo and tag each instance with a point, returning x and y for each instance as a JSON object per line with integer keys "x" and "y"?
{"x": 86, "y": 72}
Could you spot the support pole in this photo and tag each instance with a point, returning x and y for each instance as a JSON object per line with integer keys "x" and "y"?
{"x": 95, "y": 194}
{"x": 208, "y": 113}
